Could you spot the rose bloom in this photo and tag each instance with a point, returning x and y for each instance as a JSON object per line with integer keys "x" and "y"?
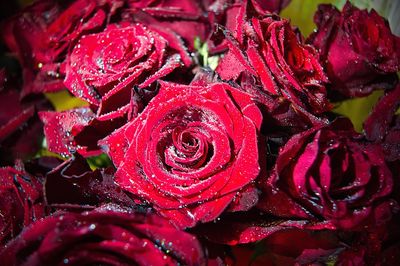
{"x": 115, "y": 72}
{"x": 192, "y": 152}
{"x": 331, "y": 177}
{"x": 104, "y": 236}
{"x": 268, "y": 49}
{"x": 41, "y": 34}
{"x": 357, "y": 48}
{"x": 224, "y": 13}
{"x": 21, "y": 202}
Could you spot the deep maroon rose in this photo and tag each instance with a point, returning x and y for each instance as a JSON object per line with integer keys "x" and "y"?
{"x": 271, "y": 5}
{"x": 270, "y": 51}
{"x": 331, "y": 177}
{"x": 185, "y": 18}
{"x": 21, "y": 202}
{"x": 377, "y": 246}
{"x": 191, "y": 152}
{"x": 105, "y": 236}
{"x": 357, "y": 48}
{"x": 41, "y": 35}
{"x": 74, "y": 184}
{"x": 383, "y": 124}
{"x": 20, "y": 127}
{"x": 112, "y": 71}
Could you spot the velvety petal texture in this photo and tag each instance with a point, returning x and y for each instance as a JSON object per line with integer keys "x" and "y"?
{"x": 267, "y": 48}
{"x": 358, "y": 50}
{"x": 190, "y": 152}
{"x": 103, "y": 68}
{"x": 42, "y": 33}
{"x": 383, "y": 124}
{"x": 21, "y": 202}
{"x": 115, "y": 71}
{"x": 105, "y": 236}
{"x": 82, "y": 187}
{"x": 330, "y": 176}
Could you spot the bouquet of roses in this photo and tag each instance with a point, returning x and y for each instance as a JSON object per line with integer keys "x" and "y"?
{"x": 201, "y": 133}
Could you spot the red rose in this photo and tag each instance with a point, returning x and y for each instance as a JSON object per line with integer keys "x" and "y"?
{"x": 330, "y": 177}
{"x": 103, "y": 68}
{"x": 104, "y": 236}
{"x": 358, "y": 50}
{"x": 269, "y": 50}
{"x": 21, "y": 202}
{"x": 41, "y": 35}
{"x": 112, "y": 71}
{"x": 191, "y": 152}
{"x": 224, "y": 14}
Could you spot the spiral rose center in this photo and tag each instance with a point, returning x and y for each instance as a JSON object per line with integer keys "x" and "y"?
{"x": 189, "y": 149}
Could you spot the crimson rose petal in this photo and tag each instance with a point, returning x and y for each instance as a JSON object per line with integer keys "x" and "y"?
{"x": 42, "y": 33}
{"x": 269, "y": 50}
{"x": 103, "y": 236}
{"x": 21, "y": 202}
{"x": 115, "y": 71}
{"x": 190, "y": 151}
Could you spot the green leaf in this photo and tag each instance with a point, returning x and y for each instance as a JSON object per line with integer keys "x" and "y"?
{"x": 100, "y": 161}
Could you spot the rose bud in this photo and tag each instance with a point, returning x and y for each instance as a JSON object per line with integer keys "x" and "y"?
{"x": 358, "y": 50}
{"x": 270, "y": 51}
{"x": 191, "y": 153}
{"x": 331, "y": 177}
{"x": 42, "y": 33}
{"x": 115, "y": 72}
{"x": 21, "y": 202}
{"x": 104, "y": 236}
